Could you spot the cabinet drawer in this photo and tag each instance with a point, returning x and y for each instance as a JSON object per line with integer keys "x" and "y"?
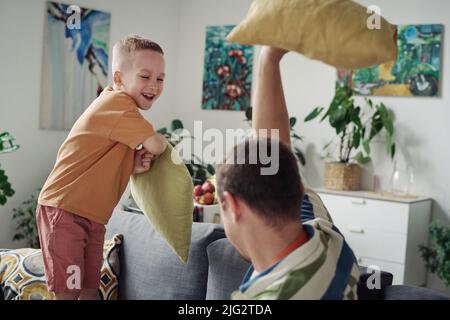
{"x": 367, "y": 213}
{"x": 376, "y": 244}
{"x": 397, "y": 269}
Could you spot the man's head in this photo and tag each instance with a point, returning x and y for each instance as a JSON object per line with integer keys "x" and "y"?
{"x": 274, "y": 200}
{"x": 138, "y": 68}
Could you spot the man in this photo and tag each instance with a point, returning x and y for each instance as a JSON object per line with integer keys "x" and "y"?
{"x": 294, "y": 256}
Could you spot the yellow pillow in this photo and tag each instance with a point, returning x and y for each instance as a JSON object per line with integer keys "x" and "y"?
{"x": 165, "y": 195}
{"x": 333, "y": 31}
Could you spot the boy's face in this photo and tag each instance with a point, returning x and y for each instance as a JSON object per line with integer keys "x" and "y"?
{"x": 143, "y": 78}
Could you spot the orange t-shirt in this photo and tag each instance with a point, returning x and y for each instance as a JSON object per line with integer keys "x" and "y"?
{"x": 96, "y": 160}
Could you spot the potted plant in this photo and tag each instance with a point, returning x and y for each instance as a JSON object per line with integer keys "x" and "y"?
{"x": 355, "y": 129}
{"x": 437, "y": 255}
{"x": 6, "y": 145}
{"x": 26, "y": 227}
{"x": 199, "y": 170}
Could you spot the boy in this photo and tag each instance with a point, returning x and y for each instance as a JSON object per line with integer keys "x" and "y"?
{"x": 93, "y": 167}
{"x": 292, "y": 257}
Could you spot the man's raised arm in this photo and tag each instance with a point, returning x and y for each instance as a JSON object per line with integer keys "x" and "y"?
{"x": 269, "y": 105}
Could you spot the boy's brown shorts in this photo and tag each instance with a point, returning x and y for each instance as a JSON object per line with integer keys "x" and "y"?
{"x": 72, "y": 249}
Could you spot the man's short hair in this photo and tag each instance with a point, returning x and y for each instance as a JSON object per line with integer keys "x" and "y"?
{"x": 276, "y": 198}
{"x": 130, "y": 44}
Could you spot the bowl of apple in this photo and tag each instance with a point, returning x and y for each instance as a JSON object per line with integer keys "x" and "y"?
{"x": 205, "y": 194}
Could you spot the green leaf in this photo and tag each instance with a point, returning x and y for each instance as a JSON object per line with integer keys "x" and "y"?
{"x": 295, "y": 136}
{"x": 300, "y": 155}
{"x": 355, "y": 118}
{"x": 248, "y": 113}
{"x": 211, "y": 169}
{"x": 340, "y": 128}
{"x": 393, "y": 151}
{"x": 361, "y": 158}
{"x": 162, "y": 131}
{"x": 327, "y": 145}
{"x": 337, "y": 118}
{"x": 387, "y": 122}
{"x": 176, "y": 124}
{"x": 313, "y": 114}
{"x": 376, "y": 125}
{"x": 356, "y": 140}
{"x": 292, "y": 121}
{"x": 388, "y": 143}
{"x": 366, "y": 145}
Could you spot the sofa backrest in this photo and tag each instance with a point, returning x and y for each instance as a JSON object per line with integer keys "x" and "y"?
{"x": 150, "y": 269}
{"x": 226, "y": 270}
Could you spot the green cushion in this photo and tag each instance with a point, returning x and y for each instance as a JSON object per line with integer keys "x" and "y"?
{"x": 165, "y": 195}
{"x": 332, "y": 31}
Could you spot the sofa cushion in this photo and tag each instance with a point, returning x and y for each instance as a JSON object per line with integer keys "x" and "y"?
{"x": 22, "y": 273}
{"x": 402, "y": 292}
{"x": 149, "y": 267}
{"x": 366, "y": 292}
{"x": 226, "y": 270}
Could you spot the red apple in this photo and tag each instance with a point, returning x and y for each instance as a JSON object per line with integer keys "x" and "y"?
{"x": 198, "y": 191}
{"x": 197, "y": 199}
{"x": 208, "y": 198}
{"x": 208, "y": 187}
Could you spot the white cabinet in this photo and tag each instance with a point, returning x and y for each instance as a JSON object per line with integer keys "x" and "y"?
{"x": 383, "y": 231}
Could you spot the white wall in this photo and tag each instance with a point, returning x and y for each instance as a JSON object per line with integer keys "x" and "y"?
{"x": 195, "y": 15}
{"x": 422, "y": 129}
{"x": 21, "y": 34}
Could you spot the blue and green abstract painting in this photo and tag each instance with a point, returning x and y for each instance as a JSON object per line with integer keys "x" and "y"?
{"x": 75, "y": 62}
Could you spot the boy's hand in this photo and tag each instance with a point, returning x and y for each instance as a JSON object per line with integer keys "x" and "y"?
{"x": 142, "y": 161}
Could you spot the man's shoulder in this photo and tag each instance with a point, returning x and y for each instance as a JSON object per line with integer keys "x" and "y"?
{"x": 313, "y": 207}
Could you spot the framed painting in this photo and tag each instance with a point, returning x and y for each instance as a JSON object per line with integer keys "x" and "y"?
{"x": 75, "y": 62}
{"x": 227, "y": 74}
{"x": 416, "y": 72}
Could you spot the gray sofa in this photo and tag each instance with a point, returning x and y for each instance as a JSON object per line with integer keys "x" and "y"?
{"x": 150, "y": 270}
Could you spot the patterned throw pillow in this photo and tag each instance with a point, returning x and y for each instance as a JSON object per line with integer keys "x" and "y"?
{"x": 22, "y": 273}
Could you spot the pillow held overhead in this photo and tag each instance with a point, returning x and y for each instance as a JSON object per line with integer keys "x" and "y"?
{"x": 332, "y": 31}
{"x": 165, "y": 195}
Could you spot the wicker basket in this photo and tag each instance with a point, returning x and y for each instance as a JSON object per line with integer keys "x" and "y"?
{"x": 341, "y": 176}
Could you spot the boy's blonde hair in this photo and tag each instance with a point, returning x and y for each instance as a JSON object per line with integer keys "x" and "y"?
{"x": 126, "y": 46}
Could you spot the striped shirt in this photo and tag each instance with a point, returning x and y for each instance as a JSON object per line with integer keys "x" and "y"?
{"x": 322, "y": 268}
